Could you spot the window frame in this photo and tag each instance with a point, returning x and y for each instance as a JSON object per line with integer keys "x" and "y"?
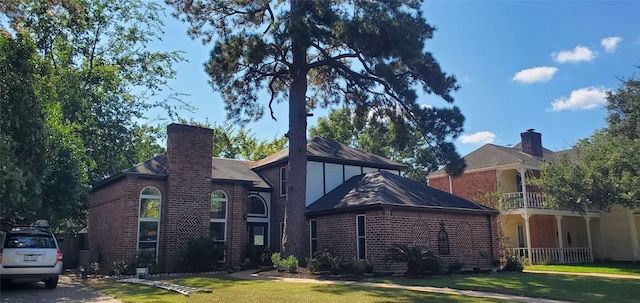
{"x": 158, "y": 196}
{"x": 283, "y": 181}
{"x": 219, "y": 220}
{"x": 361, "y": 249}
{"x": 313, "y": 239}
{"x": 264, "y": 205}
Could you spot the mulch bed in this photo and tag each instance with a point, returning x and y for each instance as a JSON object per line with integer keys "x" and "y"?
{"x": 304, "y": 273}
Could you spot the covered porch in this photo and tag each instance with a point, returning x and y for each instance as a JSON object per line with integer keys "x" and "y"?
{"x": 546, "y": 235}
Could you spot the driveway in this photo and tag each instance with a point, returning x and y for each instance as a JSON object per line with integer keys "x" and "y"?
{"x": 68, "y": 290}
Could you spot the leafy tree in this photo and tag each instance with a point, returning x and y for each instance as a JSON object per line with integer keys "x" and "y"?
{"x": 365, "y": 54}
{"x": 603, "y": 170}
{"x": 232, "y": 143}
{"x": 379, "y": 136}
{"x": 92, "y": 78}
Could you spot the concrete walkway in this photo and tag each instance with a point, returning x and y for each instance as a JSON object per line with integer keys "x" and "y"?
{"x": 251, "y": 275}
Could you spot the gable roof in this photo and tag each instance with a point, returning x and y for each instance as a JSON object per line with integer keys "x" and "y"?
{"x": 330, "y": 151}
{"x": 490, "y": 155}
{"x": 384, "y": 188}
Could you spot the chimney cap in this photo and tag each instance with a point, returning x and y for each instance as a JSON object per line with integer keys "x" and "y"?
{"x": 531, "y": 129}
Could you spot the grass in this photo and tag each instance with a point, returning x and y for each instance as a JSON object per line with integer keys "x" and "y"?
{"x": 226, "y": 289}
{"x": 610, "y": 267}
{"x": 558, "y": 287}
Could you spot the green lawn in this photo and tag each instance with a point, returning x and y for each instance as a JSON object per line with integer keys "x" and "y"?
{"x": 618, "y": 268}
{"x": 559, "y": 287}
{"x": 226, "y": 289}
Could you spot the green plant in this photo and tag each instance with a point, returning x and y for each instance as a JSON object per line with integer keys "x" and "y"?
{"x": 455, "y": 266}
{"x": 312, "y": 265}
{"x": 203, "y": 254}
{"x": 290, "y": 264}
{"x": 418, "y": 259}
{"x": 513, "y": 263}
{"x": 120, "y": 268}
{"x": 495, "y": 263}
{"x": 277, "y": 261}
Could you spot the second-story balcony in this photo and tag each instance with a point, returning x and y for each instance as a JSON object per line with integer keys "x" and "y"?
{"x": 533, "y": 200}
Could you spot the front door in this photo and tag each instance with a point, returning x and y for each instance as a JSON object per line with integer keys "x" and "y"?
{"x": 257, "y": 235}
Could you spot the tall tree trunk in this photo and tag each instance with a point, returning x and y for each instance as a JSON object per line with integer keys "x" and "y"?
{"x": 294, "y": 217}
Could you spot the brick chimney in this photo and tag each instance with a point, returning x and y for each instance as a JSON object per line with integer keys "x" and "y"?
{"x": 185, "y": 210}
{"x": 531, "y": 142}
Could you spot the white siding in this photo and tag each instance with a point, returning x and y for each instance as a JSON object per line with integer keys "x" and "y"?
{"x": 369, "y": 170}
{"x": 334, "y": 175}
{"x": 351, "y": 171}
{"x": 315, "y": 182}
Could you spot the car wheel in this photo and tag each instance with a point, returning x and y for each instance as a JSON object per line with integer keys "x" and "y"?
{"x": 51, "y": 283}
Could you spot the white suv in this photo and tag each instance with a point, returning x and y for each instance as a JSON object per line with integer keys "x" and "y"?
{"x": 30, "y": 253}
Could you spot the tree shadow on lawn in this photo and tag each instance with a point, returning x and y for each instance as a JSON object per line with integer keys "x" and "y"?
{"x": 394, "y": 295}
{"x": 560, "y": 287}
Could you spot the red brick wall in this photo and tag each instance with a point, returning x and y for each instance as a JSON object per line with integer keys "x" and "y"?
{"x": 189, "y": 188}
{"x": 441, "y": 183}
{"x": 236, "y": 222}
{"x": 386, "y": 227}
{"x": 543, "y": 231}
{"x": 113, "y": 219}
{"x": 469, "y": 185}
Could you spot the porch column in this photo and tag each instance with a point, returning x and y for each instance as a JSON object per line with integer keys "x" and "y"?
{"x": 588, "y": 219}
{"x": 633, "y": 232}
{"x": 523, "y": 178}
{"x": 528, "y": 232}
{"x": 560, "y": 240}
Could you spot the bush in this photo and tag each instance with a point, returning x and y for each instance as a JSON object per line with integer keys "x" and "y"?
{"x": 289, "y": 264}
{"x": 312, "y": 265}
{"x": 203, "y": 254}
{"x": 513, "y": 263}
{"x": 121, "y": 268}
{"x": 418, "y": 259}
{"x": 455, "y": 266}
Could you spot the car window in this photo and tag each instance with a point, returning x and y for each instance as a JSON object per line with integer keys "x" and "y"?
{"x": 29, "y": 241}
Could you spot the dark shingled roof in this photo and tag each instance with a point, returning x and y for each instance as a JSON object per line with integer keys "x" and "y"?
{"x": 236, "y": 170}
{"x": 330, "y": 151}
{"x": 383, "y": 188}
{"x": 223, "y": 169}
{"x": 490, "y": 155}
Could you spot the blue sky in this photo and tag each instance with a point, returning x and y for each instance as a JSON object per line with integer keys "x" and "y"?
{"x": 520, "y": 65}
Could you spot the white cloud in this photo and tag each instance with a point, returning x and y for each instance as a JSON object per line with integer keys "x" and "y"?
{"x": 580, "y": 99}
{"x": 610, "y": 44}
{"x": 580, "y": 53}
{"x": 482, "y": 137}
{"x": 535, "y": 74}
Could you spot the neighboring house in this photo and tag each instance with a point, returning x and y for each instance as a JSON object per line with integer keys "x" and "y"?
{"x": 357, "y": 204}
{"x": 497, "y": 175}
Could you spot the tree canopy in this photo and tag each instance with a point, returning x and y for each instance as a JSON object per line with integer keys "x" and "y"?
{"x": 364, "y": 54}
{"x": 604, "y": 169}
{"x": 379, "y": 136}
{"x": 78, "y": 80}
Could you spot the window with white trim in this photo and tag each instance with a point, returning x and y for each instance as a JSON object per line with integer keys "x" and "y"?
{"x": 218, "y": 216}
{"x": 256, "y": 207}
{"x": 361, "y": 237}
{"x": 149, "y": 219}
{"x": 283, "y": 181}
{"x": 313, "y": 236}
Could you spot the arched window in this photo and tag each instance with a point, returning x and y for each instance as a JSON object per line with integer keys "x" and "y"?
{"x": 256, "y": 207}
{"x": 218, "y": 217}
{"x": 149, "y": 219}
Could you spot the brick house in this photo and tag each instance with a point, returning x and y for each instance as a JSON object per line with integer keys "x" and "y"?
{"x": 357, "y": 204}
{"x": 531, "y": 228}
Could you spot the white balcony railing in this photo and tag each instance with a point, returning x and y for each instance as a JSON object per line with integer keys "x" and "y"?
{"x": 553, "y": 255}
{"x": 534, "y": 200}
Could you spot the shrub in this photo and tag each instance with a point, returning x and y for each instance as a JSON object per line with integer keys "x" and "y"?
{"x": 203, "y": 254}
{"x": 289, "y": 264}
{"x": 513, "y": 263}
{"x": 312, "y": 265}
{"x": 121, "y": 268}
{"x": 455, "y": 266}
{"x": 360, "y": 266}
{"x": 418, "y": 259}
